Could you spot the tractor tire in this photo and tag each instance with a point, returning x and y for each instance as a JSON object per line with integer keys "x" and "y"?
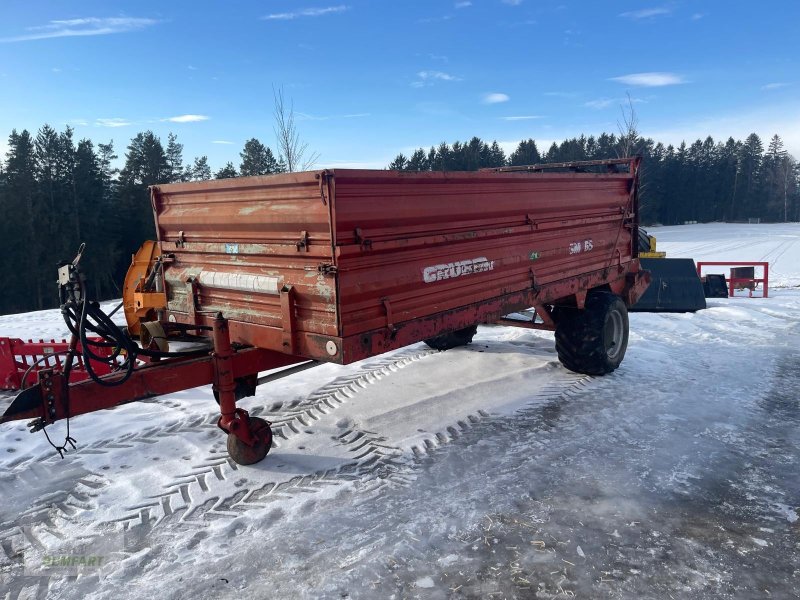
{"x": 454, "y": 339}
{"x": 592, "y": 341}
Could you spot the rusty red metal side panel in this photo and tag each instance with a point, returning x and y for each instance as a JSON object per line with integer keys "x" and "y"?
{"x": 341, "y": 265}
{"x": 431, "y": 242}
{"x": 237, "y": 242}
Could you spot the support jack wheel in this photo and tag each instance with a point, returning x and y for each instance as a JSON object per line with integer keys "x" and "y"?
{"x": 243, "y": 454}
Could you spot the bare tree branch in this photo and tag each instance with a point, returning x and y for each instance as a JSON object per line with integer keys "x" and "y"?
{"x": 291, "y": 150}
{"x": 628, "y": 129}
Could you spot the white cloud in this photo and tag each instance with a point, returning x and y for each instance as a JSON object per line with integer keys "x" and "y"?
{"x": 82, "y": 27}
{"x": 774, "y": 86}
{"x": 495, "y": 98}
{"x": 79, "y": 122}
{"x": 512, "y": 2}
{"x": 464, "y": 4}
{"x": 112, "y": 122}
{"x": 187, "y": 118}
{"x": 306, "y": 12}
{"x": 600, "y": 103}
{"x": 646, "y": 13}
{"x": 307, "y": 117}
{"x": 225, "y": 142}
{"x": 435, "y": 19}
{"x": 430, "y": 77}
{"x": 697, "y": 16}
{"x": 522, "y": 118}
{"x": 653, "y": 79}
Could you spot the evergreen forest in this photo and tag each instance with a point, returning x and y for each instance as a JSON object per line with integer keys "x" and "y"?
{"x": 57, "y": 192}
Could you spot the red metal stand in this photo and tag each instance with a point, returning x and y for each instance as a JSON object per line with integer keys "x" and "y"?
{"x": 18, "y": 357}
{"x": 732, "y": 281}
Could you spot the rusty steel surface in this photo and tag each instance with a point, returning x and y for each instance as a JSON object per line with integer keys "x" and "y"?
{"x": 46, "y": 400}
{"x": 242, "y": 241}
{"x": 343, "y": 264}
{"x": 20, "y": 359}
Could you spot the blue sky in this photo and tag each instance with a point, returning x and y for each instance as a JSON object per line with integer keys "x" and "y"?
{"x": 372, "y": 78}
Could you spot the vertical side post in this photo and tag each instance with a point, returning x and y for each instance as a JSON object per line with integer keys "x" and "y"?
{"x": 232, "y": 420}
{"x": 287, "y": 318}
{"x": 8, "y": 366}
{"x": 766, "y": 280}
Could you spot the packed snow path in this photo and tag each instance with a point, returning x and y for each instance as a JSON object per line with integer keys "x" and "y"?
{"x": 486, "y": 471}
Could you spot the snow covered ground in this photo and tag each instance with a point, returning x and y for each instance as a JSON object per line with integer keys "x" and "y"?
{"x": 483, "y": 472}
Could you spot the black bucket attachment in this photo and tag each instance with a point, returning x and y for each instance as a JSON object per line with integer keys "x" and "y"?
{"x": 675, "y": 287}
{"x": 715, "y": 286}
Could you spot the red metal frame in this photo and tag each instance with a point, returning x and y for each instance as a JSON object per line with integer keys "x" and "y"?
{"x": 52, "y": 399}
{"x": 17, "y": 356}
{"x": 732, "y": 281}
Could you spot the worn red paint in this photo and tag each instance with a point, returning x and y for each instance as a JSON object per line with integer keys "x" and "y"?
{"x": 18, "y": 357}
{"x": 373, "y": 260}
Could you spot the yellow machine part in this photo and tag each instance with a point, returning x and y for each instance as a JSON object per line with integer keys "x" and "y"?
{"x": 140, "y": 305}
{"x": 652, "y": 252}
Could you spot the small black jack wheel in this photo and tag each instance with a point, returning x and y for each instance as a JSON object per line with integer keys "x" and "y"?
{"x": 454, "y": 339}
{"x": 243, "y": 454}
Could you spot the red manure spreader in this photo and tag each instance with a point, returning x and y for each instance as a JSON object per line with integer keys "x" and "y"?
{"x": 253, "y": 274}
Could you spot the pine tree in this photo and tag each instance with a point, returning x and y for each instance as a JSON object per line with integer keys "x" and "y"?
{"x": 227, "y": 172}
{"x": 750, "y": 161}
{"x": 443, "y": 158}
{"x": 175, "y": 160}
{"x": 778, "y": 168}
{"x": 23, "y": 260}
{"x": 400, "y": 163}
{"x": 145, "y": 165}
{"x": 432, "y": 164}
{"x": 102, "y": 251}
{"x": 109, "y": 234}
{"x": 418, "y": 161}
{"x": 526, "y": 154}
{"x": 200, "y": 170}
{"x": 475, "y": 155}
{"x": 497, "y": 157}
{"x": 257, "y": 159}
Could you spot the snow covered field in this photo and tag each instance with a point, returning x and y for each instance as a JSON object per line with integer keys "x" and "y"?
{"x": 486, "y": 471}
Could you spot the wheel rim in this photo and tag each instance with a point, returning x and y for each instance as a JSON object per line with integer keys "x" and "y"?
{"x": 243, "y": 454}
{"x": 614, "y": 332}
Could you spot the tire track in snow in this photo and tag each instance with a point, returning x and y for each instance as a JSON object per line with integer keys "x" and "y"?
{"x": 289, "y": 420}
{"x": 39, "y": 520}
{"x": 377, "y": 466}
{"x": 289, "y": 417}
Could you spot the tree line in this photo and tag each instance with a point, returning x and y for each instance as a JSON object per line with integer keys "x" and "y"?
{"x": 57, "y": 192}
{"x": 704, "y": 181}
